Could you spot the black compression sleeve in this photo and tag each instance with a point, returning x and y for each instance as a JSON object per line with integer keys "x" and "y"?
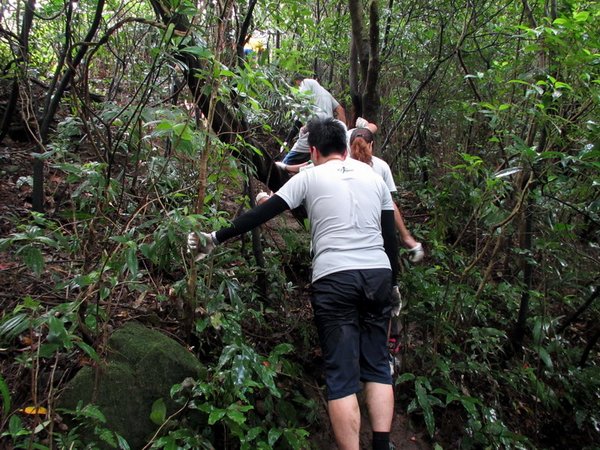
{"x": 253, "y": 218}
{"x": 390, "y": 243}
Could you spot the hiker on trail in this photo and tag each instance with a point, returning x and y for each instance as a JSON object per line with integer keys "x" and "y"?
{"x": 324, "y": 105}
{"x": 361, "y": 148}
{"x": 360, "y": 145}
{"x": 355, "y": 260}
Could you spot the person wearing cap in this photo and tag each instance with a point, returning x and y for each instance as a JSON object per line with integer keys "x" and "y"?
{"x": 351, "y": 213}
{"x": 324, "y": 105}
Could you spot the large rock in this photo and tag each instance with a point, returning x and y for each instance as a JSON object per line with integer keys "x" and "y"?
{"x": 141, "y": 367}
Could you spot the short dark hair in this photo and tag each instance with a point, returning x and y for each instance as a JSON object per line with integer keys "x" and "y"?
{"x": 327, "y": 135}
{"x": 298, "y": 77}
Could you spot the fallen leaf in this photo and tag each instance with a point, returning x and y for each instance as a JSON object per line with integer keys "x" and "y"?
{"x": 34, "y": 410}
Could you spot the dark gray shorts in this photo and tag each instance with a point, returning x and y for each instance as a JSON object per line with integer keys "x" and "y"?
{"x": 352, "y": 312}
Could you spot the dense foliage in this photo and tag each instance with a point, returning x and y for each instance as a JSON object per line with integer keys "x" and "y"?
{"x": 488, "y": 117}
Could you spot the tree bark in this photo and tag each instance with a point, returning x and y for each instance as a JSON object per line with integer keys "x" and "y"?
{"x": 364, "y": 64}
{"x": 23, "y": 56}
{"x": 370, "y": 100}
{"x": 241, "y": 41}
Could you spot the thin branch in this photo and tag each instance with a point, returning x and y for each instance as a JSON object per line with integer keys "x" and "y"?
{"x": 500, "y": 224}
{"x": 594, "y": 295}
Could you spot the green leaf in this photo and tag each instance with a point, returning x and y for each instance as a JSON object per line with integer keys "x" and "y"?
{"x": 159, "y": 412}
{"x": 405, "y": 377}
{"x": 108, "y": 437}
{"x": 560, "y": 85}
{"x": 425, "y": 404}
{"x": 92, "y": 412}
{"x": 236, "y": 415}
{"x": 253, "y": 433}
{"x": 5, "y": 397}
{"x": 200, "y": 52}
{"x": 169, "y": 32}
{"x": 520, "y": 82}
{"x": 57, "y": 332}
{"x": 295, "y": 437}
{"x": 166, "y": 442}
{"x": 545, "y": 357}
{"x": 122, "y": 443}
{"x": 33, "y": 258}
{"x": 216, "y": 415}
{"x": 13, "y": 327}
{"x": 132, "y": 261}
{"x": 281, "y": 349}
{"x": 582, "y": 16}
{"x": 88, "y": 350}
{"x": 274, "y": 434}
{"x": 15, "y": 427}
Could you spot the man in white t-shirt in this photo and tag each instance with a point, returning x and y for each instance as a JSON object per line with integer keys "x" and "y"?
{"x": 366, "y": 130}
{"x": 355, "y": 260}
{"x": 324, "y": 105}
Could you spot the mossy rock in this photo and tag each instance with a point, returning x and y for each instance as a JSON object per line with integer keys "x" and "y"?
{"x": 142, "y": 365}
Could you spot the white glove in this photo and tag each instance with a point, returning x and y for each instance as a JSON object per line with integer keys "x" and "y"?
{"x": 396, "y": 301}
{"x": 261, "y": 196}
{"x": 283, "y": 147}
{"x": 281, "y": 165}
{"x": 202, "y": 244}
{"x": 361, "y": 123}
{"x": 416, "y": 253}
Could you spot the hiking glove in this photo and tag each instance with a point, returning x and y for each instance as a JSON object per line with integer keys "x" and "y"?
{"x": 261, "y": 196}
{"x": 396, "y": 301}
{"x": 201, "y": 244}
{"x": 361, "y": 123}
{"x": 416, "y": 253}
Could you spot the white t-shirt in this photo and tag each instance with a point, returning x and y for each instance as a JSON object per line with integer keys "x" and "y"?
{"x": 344, "y": 200}
{"x": 379, "y": 166}
{"x": 324, "y": 103}
{"x": 382, "y": 168}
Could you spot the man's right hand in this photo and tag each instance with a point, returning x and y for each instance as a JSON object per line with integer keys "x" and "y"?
{"x": 281, "y": 165}
{"x": 201, "y": 244}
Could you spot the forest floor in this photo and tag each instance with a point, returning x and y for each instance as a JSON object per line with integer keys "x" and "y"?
{"x": 16, "y": 282}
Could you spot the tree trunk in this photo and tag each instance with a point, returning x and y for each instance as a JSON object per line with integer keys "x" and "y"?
{"x": 23, "y": 56}
{"x": 364, "y": 63}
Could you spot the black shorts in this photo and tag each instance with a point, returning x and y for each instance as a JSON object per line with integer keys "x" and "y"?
{"x": 352, "y": 312}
